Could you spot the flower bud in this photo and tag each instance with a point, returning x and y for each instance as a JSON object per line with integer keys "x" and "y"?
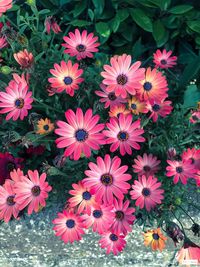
{"x": 6, "y": 70}
{"x": 174, "y": 232}
{"x": 171, "y": 153}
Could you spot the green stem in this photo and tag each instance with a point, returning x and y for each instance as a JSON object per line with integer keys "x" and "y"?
{"x": 47, "y": 106}
{"x": 172, "y": 74}
{"x": 186, "y": 214}
{"x": 179, "y": 222}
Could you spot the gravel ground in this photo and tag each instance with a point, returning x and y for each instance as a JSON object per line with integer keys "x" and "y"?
{"x": 31, "y": 242}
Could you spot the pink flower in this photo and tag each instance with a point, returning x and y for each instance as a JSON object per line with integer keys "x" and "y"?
{"x": 197, "y": 178}
{"x": 163, "y": 59}
{"x": 69, "y": 226}
{"x": 110, "y": 99}
{"x": 146, "y": 165}
{"x": 24, "y": 58}
{"x": 195, "y": 117}
{"x": 5, "y": 5}
{"x": 83, "y": 198}
{"x": 16, "y": 101}
{"x": 17, "y": 175}
{"x": 66, "y": 77}
{"x": 114, "y": 243}
{"x": 124, "y": 134}
{"x": 50, "y": 23}
{"x": 147, "y": 192}
{"x": 122, "y": 77}
{"x": 189, "y": 252}
{"x": 123, "y": 217}
{"x": 180, "y": 170}
{"x": 107, "y": 178}
{"x": 157, "y": 108}
{"x": 80, "y": 45}
{"x": 115, "y": 111}
{"x": 101, "y": 218}
{"x": 3, "y": 42}
{"x": 8, "y": 206}
{"x": 193, "y": 155}
{"x": 80, "y": 134}
{"x": 32, "y": 191}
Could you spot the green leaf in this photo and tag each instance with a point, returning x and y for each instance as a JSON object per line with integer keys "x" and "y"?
{"x": 39, "y": 56}
{"x": 162, "y": 4}
{"x": 181, "y": 9}
{"x": 190, "y": 71}
{"x": 115, "y": 24}
{"x": 44, "y": 11}
{"x": 160, "y": 34}
{"x": 91, "y": 14}
{"x": 103, "y": 29}
{"x": 79, "y": 8}
{"x": 99, "y": 6}
{"x": 194, "y": 25}
{"x": 14, "y": 8}
{"x": 80, "y": 23}
{"x": 122, "y": 14}
{"x": 141, "y": 19}
{"x": 191, "y": 96}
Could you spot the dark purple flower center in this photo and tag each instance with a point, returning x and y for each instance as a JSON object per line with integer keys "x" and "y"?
{"x": 146, "y": 168}
{"x": 46, "y": 127}
{"x": 122, "y": 79}
{"x": 107, "y": 179}
{"x": 10, "y": 201}
{"x": 163, "y": 62}
{"x": 192, "y": 160}
{"x": 147, "y": 86}
{"x": 179, "y": 169}
{"x": 70, "y": 223}
{"x": 133, "y": 106}
{"x": 119, "y": 215}
{"x": 112, "y": 96}
{"x": 156, "y": 107}
{"x": 36, "y": 191}
{"x": 113, "y": 237}
{"x": 81, "y": 135}
{"x": 195, "y": 118}
{"x": 68, "y": 80}
{"x": 86, "y": 195}
{"x": 97, "y": 213}
{"x": 81, "y": 48}
{"x": 122, "y": 136}
{"x": 10, "y": 166}
{"x": 19, "y": 103}
{"x": 146, "y": 192}
{"x": 155, "y": 236}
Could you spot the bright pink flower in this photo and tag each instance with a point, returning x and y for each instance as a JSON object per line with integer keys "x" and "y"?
{"x": 163, "y": 59}
{"x": 8, "y": 206}
{"x": 193, "y": 155}
{"x": 147, "y": 192}
{"x": 124, "y": 134}
{"x": 123, "y": 217}
{"x": 147, "y": 165}
{"x": 17, "y": 175}
{"x": 66, "y": 77}
{"x": 69, "y": 226}
{"x": 122, "y": 77}
{"x": 83, "y": 198}
{"x": 50, "y": 23}
{"x": 16, "y": 101}
{"x": 114, "y": 243}
{"x": 110, "y": 99}
{"x": 115, "y": 111}
{"x": 100, "y": 218}
{"x": 197, "y": 178}
{"x": 189, "y": 252}
{"x": 157, "y": 108}
{"x": 195, "y": 117}
{"x": 107, "y": 178}
{"x": 3, "y": 42}
{"x": 180, "y": 170}
{"x": 80, "y": 45}
{"x": 32, "y": 191}
{"x": 4, "y": 6}
{"x": 80, "y": 134}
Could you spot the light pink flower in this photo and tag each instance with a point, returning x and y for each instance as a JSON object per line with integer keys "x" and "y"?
{"x": 163, "y": 59}
{"x": 4, "y": 6}
{"x": 114, "y": 243}
{"x": 158, "y": 108}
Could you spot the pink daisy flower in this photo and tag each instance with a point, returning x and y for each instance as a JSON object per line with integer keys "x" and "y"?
{"x": 115, "y": 111}
{"x": 80, "y": 45}
{"x": 147, "y": 192}
{"x": 80, "y": 134}
{"x": 32, "y": 191}
{"x": 3, "y": 42}
{"x": 157, "y": 108}
{"x": 123, "y": 217}
{"x": 17, "y": 175}
{"x": 193, "y": 155}
{"x": 16, "y": 101}
{"x": 147, "y": 165}
{"x": 66, "y": 77}
{"x": 124, "y": 134}
{"x": 107, "y": 178}
{"x": 114, "y": 243}
{"x": 195, "y": 117}
{"x": 163, "y": 59}
{"x": 180, "y": 170}
{"x": 197, "y": 178}
{"x": 100, "y": 219}
{"x": 8, "y": 206}
{"x": 122, "y": 77}
{"x": 110, "y": 99}
{"x": 83, "y": 198}
{"x": 69, "y": 226}
{"x": 4, "y": 6}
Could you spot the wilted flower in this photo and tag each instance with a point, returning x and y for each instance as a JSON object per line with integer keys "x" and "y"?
{"x": 174, "y": 231}
{"x": 24, "y": 58}
{"x": 196, "y": 229}
{"x": 171, "y": 153}
{"x": 50, "y": 23}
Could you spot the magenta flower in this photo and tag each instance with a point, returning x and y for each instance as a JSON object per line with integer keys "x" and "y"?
{"x": 3, "y": 42}
{"x": 80, "y": 134}
{"x": 51, "y": 24}
{"x": 107, "y": 178}
{"x": 124, "y": 134}
{"x": 4, "y": 6}
{"x": 147, "y": 192}
{"x": 192, "y": 154}
{"x": 159, "y": 108}
{"x": 163, "y": 59}
{"x": 114, "y": 243}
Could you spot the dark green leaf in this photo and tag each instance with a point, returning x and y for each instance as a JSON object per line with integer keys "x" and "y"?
{"x": 103, "y": 29}
{"x": 190, "y": 71}
{"x": 181, "y": 9}
{"x": 162, "y": 4}
{"x": 44, "y": 11}
{"x": 122, "y": 14}
{"x": 115, "y": 24}
{"x": 99, "y": 6}
{"x": 191, "y": 96}
{"x": 91, "y": 14}
{"x": 141, "y": 19}
{"x": 80, "y": 23}
{"x": 160, "y": 34}
{"x": 194, "y": 25}
{"x": 79, "y": 8}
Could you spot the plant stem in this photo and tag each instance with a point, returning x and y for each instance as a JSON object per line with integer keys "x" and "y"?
{"x": 186, "y": 214}
{"x": 179, "y": 222}
{"x": 47, "y": 106}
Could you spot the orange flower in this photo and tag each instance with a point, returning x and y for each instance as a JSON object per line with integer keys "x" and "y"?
{"x": 136, "y": 106}
{"x": 155, "y": 239}
{"x": 44, "y": 126}
{"x": 116, "y": 110}
{"x": 24, "y": 58}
